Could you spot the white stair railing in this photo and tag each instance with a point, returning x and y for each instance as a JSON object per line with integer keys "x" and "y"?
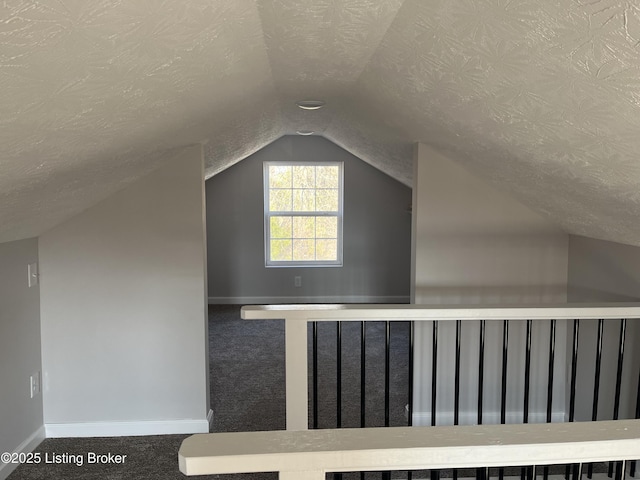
{"x": 297, "y": 317}
{"x": 309, "y": 455}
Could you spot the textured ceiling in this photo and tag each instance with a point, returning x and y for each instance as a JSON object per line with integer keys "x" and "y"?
{"x": 540, "y": 97}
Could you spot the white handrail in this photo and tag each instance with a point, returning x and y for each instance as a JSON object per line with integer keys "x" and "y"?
{"x": 297, "y": 316}
{"x": 309, "y": 455}
{"x": 441, "y": 312}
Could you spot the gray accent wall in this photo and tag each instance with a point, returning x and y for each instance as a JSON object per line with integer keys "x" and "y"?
{"x": 377, "y": 233}
{"x": 21, "y": 427}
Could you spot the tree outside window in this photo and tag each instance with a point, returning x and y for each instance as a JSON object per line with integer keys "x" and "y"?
{"x": 303, "y": 214}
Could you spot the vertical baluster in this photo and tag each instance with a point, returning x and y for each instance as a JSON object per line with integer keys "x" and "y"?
{"x": 505, "y": 353}
{"x": 622, "y": 470}
{"x": 411, "y": 355}
{"x": 616, "y": 402}
{"x": 527, "y": 373}
{"x": 315, "y": 375}
{"x": 527, "y": 381}
{"x": 339, "y": 374}
{"x": 574, "y": 366}
{"x": 387, "y": 373}
{"x": 363, "y": 378}
{"x": 503, "y": 393}
{"x": 338, "y": 476}
{"x": 616, "y": 406}
{"x": 620, "y": 467}
{"x": 387, "y": 377}
{"x": 552, "y": 355}
{"x": 434, "y": 372}
{"x": 410, "y": 392}
{"x": 435, "y": 474}
{"x": 481, "y": 370}
{"x": 596, "y": 385}
{"x": 456, "y": 399}
{"x": 363, "y": 383}
{"x": 481, "y": 473}
{"x": 633, "y": 463}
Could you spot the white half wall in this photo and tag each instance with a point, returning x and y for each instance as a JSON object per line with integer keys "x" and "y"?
{"x": 21, "y": 427}
{"x": 475, "y": 245}
{"x": 123, "y": 293}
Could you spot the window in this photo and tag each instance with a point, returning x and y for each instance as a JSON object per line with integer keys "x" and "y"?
{"x": 303, "y": 214}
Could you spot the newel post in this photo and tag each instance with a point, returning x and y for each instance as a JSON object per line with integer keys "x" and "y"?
{"x": 296, "y": 376}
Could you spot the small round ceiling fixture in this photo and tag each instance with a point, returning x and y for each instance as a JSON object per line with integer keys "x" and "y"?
{"x": 305, "y": 132}
{"x": 310, "y": 104}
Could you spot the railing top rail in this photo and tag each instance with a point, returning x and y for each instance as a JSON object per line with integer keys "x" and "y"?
{"x": 410, "y": 448}
{"x": 406, "y": 312}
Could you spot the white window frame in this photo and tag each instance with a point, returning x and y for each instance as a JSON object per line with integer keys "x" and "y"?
{"x": 268, "y": 214}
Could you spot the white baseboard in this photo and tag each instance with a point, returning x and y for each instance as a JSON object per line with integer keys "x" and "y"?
{"x": 307, "y": 299}
{"x": 421, "y": 419}
{"x": 126, "y": 429}
{"x": 29, "y": 445}
{"x": 210, "y": 419}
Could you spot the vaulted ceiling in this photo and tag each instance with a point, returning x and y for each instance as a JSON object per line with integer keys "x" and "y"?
{"x": 540, "y": 97}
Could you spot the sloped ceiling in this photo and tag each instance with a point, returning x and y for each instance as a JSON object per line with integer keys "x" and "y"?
{"x": 540, "y": 97}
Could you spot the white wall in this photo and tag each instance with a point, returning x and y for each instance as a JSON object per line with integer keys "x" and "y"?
{"x": 602, "y": 271}
{"x": 123, "y": 294}
{"x": 20, "y": 415}
{"x": 475, "y": 245}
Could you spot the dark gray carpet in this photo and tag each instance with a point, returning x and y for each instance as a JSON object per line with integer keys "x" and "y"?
{"x": 147, "y": 457}
{"x": 247, "y": 373}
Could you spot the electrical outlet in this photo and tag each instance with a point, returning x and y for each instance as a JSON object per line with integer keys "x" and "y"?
{"x": 32, "y": 272}
{"x": 297, "y": 281}
{"x": 34, "y": 382}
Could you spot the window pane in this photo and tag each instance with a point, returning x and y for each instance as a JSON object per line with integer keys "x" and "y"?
{"x": 327, "y": 250}
{"x": 304, "y": 227}
{"x": 304, "y": 176}
{"x": 327, "y": 227}
{"x": 304, "y": 250}
{"x": 326, "y": 200}
{"x": 279, "y": 176}
{"x": 327, "y": 177}
{"x": 280, "y": 200}
{"x": 281, "y": 250}
{"x": 297, "y": 197}
{"x": 280, "y": 227}
{"x": 304, "y": 201}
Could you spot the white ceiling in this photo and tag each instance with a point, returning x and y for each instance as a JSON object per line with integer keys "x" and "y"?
{"x": 540, "y": 97}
